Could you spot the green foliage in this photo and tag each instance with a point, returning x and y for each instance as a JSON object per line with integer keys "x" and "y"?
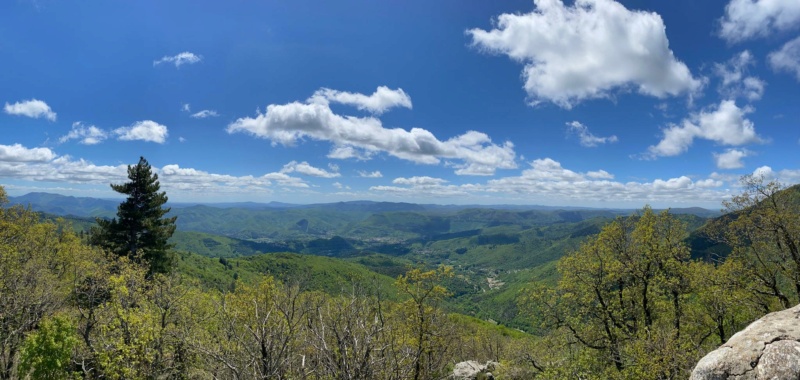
{"x": 140, "y": 231}
{"x": 427, "y": 337}
{"x": 628, "y": 303}
{"x": 46, "y": 353}
{"x": 39, "y": 262}
{"x": 623, "y": 294}
{"x": 765, "y": 236}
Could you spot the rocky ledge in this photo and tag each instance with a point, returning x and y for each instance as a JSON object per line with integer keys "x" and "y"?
{"x": 767, "y": 349}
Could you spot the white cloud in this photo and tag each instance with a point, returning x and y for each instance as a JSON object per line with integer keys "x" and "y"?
{"x": 365, "y": 174}
{"x": 87, "y": 135}
{"x": 786, "y": 176}
{"x": 547, "y": 182}
{"x": 179, "y": 59}
{"x": 547, "y": 179}
{"x": 419, "y": 181}
{"x": 186, "y": 107}
{"x": 146, "y": 130}
{"x": 672, "y": 183}
{"x": 306, "y": 169}
{"x": 44, "y": 165}
{"x": 731, "y": 159}
{"x": 181, "y": 139}
{"x": 379, "y": 102}
{"x": 549, "y": 169}
{"x": 17, "y": 153}
{"x": 197, "y": 180}
{"x": 204, "y": 114}
{"x": 599, "y": 174}
{"x": 725, "y": 124}
{"x": 787, "y": 58}
{"x": 474, "y": 152}
{"x": 422, "y": 186}
{"x": 284, "y": 179}
{"x": 747, "y": 19}
{"x": 345, "y": 152}
{"x": 585, "y": 51}
{"x": 340, "y": 186}
{"x": 31, "y": 108}
{"x": 735, "y": 81}
{"x": 587, "y": 139}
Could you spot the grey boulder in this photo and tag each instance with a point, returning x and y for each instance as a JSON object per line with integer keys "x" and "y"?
{"x": 767, "y": 349}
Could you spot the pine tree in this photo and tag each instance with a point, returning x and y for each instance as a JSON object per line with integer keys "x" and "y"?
{"x": 140, "y": 230}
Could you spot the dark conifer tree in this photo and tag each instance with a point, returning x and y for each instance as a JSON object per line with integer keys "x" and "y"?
{"x": 140, "y": 230}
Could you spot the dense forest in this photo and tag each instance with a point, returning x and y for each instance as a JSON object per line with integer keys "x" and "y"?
{"x": 633, "y": 297}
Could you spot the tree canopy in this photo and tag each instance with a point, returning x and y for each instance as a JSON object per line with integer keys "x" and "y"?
{"x": 140, "y": 231}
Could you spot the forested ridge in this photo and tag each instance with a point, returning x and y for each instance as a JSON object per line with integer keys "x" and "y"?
{"x": 630, "y": 300}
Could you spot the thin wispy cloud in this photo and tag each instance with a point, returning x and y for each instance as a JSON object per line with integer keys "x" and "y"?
{"x": 787, "y": 58}
{"x": 204, "y": 114}
{"x": 366, "y": 174}
{"x": 185, "y": 58}
{"x": 586, "y": 138}
{"x": 85, "y": 134}
{"x": 306, "y": 169}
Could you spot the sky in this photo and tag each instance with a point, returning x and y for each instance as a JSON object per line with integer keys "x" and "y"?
{"x": 595, "y": 103}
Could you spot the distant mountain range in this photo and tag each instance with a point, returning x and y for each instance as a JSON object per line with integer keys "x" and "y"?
{"x": 97, "y": 207}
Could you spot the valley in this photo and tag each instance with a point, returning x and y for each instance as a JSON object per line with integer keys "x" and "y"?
{"x": 495, "y": 251}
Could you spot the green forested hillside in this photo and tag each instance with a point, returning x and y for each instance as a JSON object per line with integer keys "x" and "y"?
{"x": 594, "y": 294}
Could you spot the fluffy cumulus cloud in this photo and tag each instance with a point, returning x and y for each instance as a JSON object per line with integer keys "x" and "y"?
{"x": 787, "y": 59}
{"x": 786, "y": 176}
{"x": 87, "y": 135}
{"x": 306, "y": 169}
{"x": 345, "y": 152}
{"x": 204, "y": 114}
{"x": 44, "y": 165}
{"x": 731, "y": 158}
{"x": 587, "y": 50}
{"x": 472, "y": 153}
{"x": 188, "y": 179}
{"x": 34, "y": 108}
{"x": 17, "y": 154}
{"x": 599, "y": 174}
{"x": 735, "y": 81}
{"x": 546, "y": 181}
{"x": 548, "y": 178}
{"x": 747, "y": 19}
{"x": 725, "y": 125}
{"x": 146, "y": 130}
{"x": 366, "y": 174}
{"x": 379, "y": 102}
{"x": 586, "y": 138}
{"x": 423, "y": 186}
{"x": 185, "y": 58}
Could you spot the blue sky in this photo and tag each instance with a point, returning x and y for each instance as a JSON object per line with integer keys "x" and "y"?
{"x": 588, "y": 103}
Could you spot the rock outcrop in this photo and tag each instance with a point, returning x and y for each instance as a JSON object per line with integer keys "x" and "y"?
{"x": 767, "y": 349}
{"x": 472, "y": 370}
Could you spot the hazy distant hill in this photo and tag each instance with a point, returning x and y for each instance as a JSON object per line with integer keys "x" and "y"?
{"x": 67, "y": 205}
{"x": 356, "y": 219}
